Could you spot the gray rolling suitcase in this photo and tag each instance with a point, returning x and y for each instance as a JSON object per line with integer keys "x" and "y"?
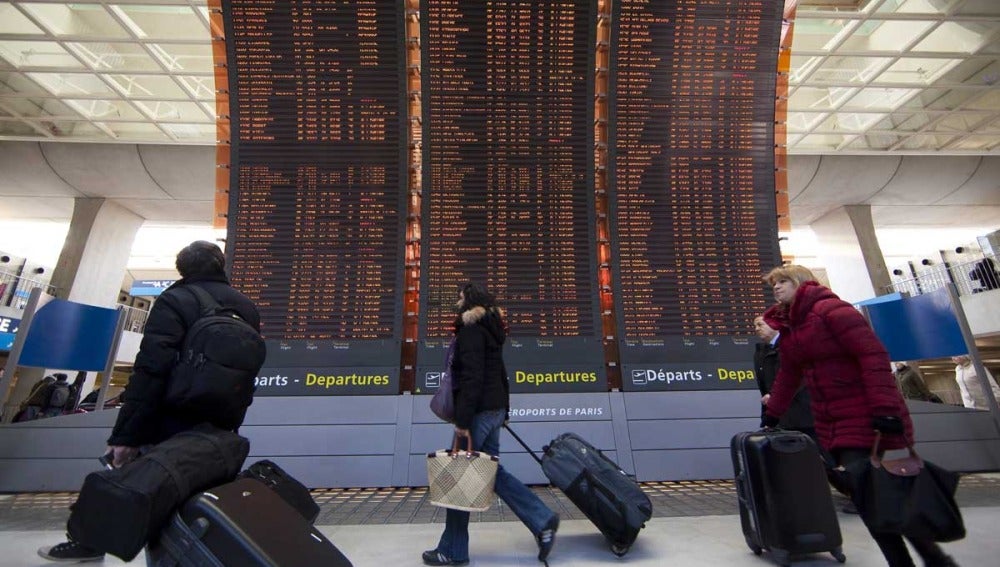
{"x": 609, "y": 498}
{"x": 784, "y": 499}
{"x": 242, "y": 524}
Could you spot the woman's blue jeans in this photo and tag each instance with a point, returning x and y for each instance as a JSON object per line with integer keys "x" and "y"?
{"x": 521, "y": 500}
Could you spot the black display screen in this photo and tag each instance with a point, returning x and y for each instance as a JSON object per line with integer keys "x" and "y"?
{"x": 508, "y": 196}
{"x": 315, "y": 232}
{"x": 692, "y": 186}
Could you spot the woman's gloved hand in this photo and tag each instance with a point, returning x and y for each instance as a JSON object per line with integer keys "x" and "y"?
{"x": 888, "y": 424}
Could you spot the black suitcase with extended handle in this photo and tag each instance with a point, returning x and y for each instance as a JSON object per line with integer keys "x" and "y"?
{"x": 785, "y": 503}
{"x": 611, "y": 499}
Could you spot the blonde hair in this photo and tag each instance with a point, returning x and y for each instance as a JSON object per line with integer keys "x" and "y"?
{"x": 793, "y": 272}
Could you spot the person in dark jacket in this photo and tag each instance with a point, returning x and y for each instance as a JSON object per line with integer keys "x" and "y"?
{"x": 986, "y": 274}
{"x": 36, "y": 401}
{"x": 827, "y": 343}
{"x": 912, "y": 385}
{"x": 482, "y": 405}
{"x": 144, "y": 419}
{"x": 766, "y": 363}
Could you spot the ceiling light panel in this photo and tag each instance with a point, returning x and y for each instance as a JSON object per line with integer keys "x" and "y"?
{"x": 917, "y": 70}
{"x": 101, "y": 109}
{"x": 173, "y": 111}
{"x": 931, "y": 7}
{"x": 17, "y": 83}
{"x": 879, "y": 98}
{"x": 39, "y": 107}
{"x": 148, "y": 87}
{"x": 12, "y": 21}
{"x": 957, "y": 37}
{"x": 72, "y": 85}
{"x": 161, "y": 22}
{"x": 114, "y": 56}
{"x": 37, "y": 54}
{"x": 136, "y": 131}
{"x": 853, "y": 70}
{"x": 77, "y": 20}
{"x": 185, "y": 57}
{"x": 885, "y": 35}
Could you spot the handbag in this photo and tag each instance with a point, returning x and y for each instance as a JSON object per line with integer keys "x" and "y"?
{"x": 443, "y": 402}
{"x": 908, "y": 496}
{"x": 462, "y": 480}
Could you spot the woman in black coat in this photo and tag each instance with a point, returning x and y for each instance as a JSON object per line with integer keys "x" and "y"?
{"x": 482, "y": 402}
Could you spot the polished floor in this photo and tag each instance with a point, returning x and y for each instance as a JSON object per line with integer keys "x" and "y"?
{"x": 694, "y": 525}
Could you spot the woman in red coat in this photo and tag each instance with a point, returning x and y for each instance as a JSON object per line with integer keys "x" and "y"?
{"x": 827, "y": 343}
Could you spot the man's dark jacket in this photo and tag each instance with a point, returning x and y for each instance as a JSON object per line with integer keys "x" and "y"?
{"x": 766, "y": 363}
{"x": 143, "y": 419}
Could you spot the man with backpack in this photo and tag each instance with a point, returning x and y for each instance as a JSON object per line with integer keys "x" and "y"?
{"x": 58, "y": 398}
{"x": 197, "y": 361}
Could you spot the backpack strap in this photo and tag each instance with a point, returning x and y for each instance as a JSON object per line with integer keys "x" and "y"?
{"x": 207, "y": 305}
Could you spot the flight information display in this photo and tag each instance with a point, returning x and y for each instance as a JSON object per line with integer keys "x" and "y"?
{"x": 315, "y": 230}
{"x": 508, "y": 183}
{"x": 692, "y": 186}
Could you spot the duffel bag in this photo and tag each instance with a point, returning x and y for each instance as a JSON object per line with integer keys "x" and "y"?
{"x": 121, "y": 510}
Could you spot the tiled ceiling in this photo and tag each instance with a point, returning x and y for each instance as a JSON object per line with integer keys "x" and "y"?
{"x": 104, "y": 71}
{"x": 882, "y": 76}
{"x": 868, "y": 76}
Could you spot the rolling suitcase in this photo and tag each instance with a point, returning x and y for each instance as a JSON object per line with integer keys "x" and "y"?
{"x": 785, "y": 502}
{"x": 611, "y": 499}
{"x": 242, "y": 524}
{"x": 290, "y": 489}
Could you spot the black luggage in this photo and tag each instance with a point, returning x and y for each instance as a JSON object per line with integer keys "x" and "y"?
{"x": 290, "y": 489}
{"x": 611, "y": 499}
{"x": 785, "y": 502}
{"x": 120, "y": 510}
{"x": 242, "y": 524}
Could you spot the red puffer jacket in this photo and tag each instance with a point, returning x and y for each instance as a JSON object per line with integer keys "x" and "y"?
{"x": 827, "y": 343}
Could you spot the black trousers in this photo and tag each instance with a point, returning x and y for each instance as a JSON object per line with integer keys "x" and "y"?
{"x": 892, "y": 545}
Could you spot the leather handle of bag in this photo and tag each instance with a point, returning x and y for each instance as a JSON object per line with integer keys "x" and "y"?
{"x": 877, "y": 460}
{"x": 468, "y": 444}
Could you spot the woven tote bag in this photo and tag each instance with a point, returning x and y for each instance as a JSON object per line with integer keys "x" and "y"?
{"x": 462, "y": 480}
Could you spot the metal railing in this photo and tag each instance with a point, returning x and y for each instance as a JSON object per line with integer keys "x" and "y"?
{"x": 14, "y": 289}
{"x": 135, "y": 319}
{"x": 969, "y": 277}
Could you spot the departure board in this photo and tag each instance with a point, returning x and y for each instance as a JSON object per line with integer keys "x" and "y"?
{"x": 508, "y": 183}
{"x": 691, "y": 169}
{"x": 315, "y": 230}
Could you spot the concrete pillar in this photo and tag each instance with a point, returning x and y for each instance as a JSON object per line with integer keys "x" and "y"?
{"x": 849, "y": 250}
{"x": 92, "y": 263}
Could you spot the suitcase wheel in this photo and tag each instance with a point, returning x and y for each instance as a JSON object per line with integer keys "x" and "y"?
{"x": 756, "y": 549}
{"x": 839, "y": 556}
{"x": 619, "y": 550}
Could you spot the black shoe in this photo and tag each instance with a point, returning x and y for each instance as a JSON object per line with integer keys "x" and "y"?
{"x": 547, "y": 538}
{"x": 435, "y": 557}
{"x": 70, "y": 552}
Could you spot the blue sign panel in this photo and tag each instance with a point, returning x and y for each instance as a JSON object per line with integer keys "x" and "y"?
{"x": 8, "y": 327}
{"x": 915, "y": 328}
{"x": 149, "y": 288}
{"x": 69, "y": 335}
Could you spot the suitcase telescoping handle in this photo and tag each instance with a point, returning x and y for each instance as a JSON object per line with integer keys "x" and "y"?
{"x": 523, "y": 444}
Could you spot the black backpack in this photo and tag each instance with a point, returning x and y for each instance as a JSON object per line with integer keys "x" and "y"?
{"x": 59, "y": 396}
{"x": 217, "y": 365}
